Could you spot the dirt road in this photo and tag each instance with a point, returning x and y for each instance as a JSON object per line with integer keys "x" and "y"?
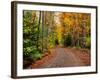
{"x": 63, "y": 57}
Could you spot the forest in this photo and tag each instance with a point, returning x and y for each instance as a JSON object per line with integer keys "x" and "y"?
{"x": 46, "y": 30}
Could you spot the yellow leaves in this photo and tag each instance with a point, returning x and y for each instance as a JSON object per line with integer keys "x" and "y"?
{"x": 59, "y": 31}
{"x": 67, "y": 21}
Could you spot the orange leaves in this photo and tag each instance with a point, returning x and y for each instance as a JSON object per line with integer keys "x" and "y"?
{"x": 74, "y": 20}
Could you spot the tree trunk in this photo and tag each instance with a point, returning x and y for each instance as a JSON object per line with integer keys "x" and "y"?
{"x": 39, "y": 22}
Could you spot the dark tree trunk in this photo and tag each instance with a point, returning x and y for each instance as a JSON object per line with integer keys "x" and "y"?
{"x": 38, "y": 28}
{"x": 42, "y": 30}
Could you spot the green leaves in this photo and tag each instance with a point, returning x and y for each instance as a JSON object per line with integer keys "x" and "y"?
{"x": 26, "y": 30}
{"x": 36, "y": 55}
{"x": 88, "y": 42}
{"x": 68, "y": 40}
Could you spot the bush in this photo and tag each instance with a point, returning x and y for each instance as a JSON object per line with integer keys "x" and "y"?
{"x": 36, "y": 55}
{"x": 88, "y": 42}
{"x": 68, "y": 40}
{"x": 32, "y": 53}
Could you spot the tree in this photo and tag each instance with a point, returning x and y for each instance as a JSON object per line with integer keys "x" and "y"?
{"x": 77, "y": 25}
{"x": 30, "y": 36}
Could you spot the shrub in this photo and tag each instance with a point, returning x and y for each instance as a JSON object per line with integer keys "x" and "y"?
{"x": 68, "y": 40}
{"x": 88, "y": 42}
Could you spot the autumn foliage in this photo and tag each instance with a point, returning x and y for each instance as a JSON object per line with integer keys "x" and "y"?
{"x": 43, "y": 30}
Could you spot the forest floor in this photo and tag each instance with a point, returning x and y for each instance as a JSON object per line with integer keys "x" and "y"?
{"x": 64, "y": 57}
